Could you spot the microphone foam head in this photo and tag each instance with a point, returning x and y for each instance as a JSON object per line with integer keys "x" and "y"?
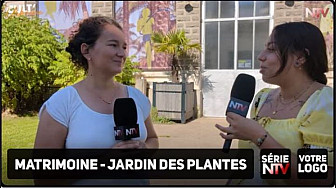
{"x": 244, "y": 87}
{"x": 125, "y": 112}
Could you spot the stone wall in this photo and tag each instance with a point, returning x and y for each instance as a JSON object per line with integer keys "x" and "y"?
{"x": 103, "y": 8}
{"x": 283, "y": 13}
{"x": 191, "y": 23}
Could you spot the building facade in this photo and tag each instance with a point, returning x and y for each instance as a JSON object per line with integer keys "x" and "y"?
{"x": 232, "y": 34}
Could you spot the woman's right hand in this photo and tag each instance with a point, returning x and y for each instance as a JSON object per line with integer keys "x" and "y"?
{"x": 129, "y": 144}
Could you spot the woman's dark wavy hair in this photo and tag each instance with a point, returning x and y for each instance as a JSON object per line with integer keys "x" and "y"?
{"x": 306, "y": 39}
{"x": 88, "y": 32}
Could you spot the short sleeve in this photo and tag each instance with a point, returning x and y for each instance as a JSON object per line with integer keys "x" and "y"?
{"x": 143, "y": 102}
{"x": 58, "y": 107}
{"x": 317, "y": 119}
{"x": 258, "y": 100}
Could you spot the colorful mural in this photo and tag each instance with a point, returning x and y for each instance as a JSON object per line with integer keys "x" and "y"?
{"x": 139, "y": 20}
{"x": 320, "y": 13}
{"x": 327, "y": 29}
{"x": 63, "y": 15}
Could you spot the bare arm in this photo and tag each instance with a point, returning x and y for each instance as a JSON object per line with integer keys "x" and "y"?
{"x": 152, "y": 138}
{"x": 50, "y": 135}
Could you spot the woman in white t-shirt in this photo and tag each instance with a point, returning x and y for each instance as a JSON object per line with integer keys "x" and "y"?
{"x": 81, "y": 115}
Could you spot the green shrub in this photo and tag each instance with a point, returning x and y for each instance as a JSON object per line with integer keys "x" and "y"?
{"x": 33, "y": 61}
{"x": 158, "y": 119}
{"x": 127, "y": 75}
{"x": 65, "y": 71}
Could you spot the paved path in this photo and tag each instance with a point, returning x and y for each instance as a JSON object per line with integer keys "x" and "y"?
{"x": 199, "y": 133}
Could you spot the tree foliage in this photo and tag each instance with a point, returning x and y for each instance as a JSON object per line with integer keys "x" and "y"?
{"x": 33, "y": 61}
{"x": 127, "y": 75}
{"x": 175, "y": 43}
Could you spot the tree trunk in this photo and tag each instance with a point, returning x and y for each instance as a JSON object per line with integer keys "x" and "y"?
{"x": 126, "y": 13}
{"x": 175, "y": 69}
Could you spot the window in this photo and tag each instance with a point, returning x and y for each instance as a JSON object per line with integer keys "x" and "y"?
{"x": 235, "y": 33}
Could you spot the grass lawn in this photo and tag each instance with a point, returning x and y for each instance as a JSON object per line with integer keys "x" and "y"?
{"x": 17, "y": 132}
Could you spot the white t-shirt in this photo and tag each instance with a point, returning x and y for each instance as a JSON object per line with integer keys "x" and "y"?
{"x": 86, "y": 127}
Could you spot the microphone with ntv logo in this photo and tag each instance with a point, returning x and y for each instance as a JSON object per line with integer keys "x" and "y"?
{"x": 242, "y": 93}
{"x": 125, "y": 118}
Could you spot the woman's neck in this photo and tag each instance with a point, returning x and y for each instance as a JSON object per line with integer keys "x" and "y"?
{"x": 100, "y": 82}
{"x": 295, "y": 88}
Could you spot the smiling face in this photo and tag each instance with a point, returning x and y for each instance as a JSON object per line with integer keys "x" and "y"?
{"x": 109, "y": 51}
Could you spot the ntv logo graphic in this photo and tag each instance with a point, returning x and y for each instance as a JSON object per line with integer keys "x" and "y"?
{"x": 318, "y": 12}
{"x": 238, "y": 106}
{"x": 275, "y": 164}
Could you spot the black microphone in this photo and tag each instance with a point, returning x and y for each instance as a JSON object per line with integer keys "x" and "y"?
{"x": 242, "y": 93}
{"x": 125, "y": 118}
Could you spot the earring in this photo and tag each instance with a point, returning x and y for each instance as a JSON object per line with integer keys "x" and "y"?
{"x": 297, "y": 64}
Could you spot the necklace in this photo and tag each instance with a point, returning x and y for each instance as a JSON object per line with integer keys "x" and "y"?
{"x": 300, "y": 103}
{"x": 295, "y": 98}
{"x": 107, "y": 102}
{"x": 89, "y": 89}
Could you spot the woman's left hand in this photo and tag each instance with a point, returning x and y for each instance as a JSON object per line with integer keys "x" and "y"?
{"x": 142, "y": 145}
{"x": 135, "y": 144}
{"x": 241, "y": 128}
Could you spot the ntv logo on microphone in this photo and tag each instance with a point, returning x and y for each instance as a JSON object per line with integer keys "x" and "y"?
{"x": 126, "y": 132}
{"x": 275, "y": 163}
{"x": 238, "y": 106}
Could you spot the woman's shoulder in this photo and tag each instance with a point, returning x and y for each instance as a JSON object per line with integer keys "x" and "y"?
{"x": 135, "y": 92}
{"x": 141, "y": 99}
{"x": 61, "y": 104}
{"x": 66, "y": 95}
{"x": 321, "y": 99}
{"x": 67, "y": 91}
{"x": 327, "y": 91}
{"x": 324, "y": 93}
{"x": 263, "y": 93}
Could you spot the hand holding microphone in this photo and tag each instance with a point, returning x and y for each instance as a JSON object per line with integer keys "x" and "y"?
{"x": 240, "y": 128}
{"x": 242, "y": 93}
{"x": 126, "y": 126}
{"x": 130, "y": 144}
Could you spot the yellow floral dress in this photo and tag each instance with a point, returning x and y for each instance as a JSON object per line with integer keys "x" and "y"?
{"x": 313, "y": 126}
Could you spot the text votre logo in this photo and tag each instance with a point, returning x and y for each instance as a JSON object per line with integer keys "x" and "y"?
{"x": 312, "y": 163}
{"x": 275, "y": 164}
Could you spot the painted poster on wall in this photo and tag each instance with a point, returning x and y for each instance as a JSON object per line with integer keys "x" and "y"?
{"x": 139, "y": 20}
{"x": 63, "y": 15}
{"x": 320, "y": 13}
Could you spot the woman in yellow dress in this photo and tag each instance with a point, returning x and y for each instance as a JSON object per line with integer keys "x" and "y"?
{"x": 297, "y": 114}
